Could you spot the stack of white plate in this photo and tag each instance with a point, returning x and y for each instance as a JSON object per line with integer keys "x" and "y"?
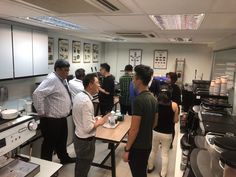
{"x": 10, "y": 114}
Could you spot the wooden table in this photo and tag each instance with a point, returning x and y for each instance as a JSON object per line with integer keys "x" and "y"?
{"x": 114, "y": 137}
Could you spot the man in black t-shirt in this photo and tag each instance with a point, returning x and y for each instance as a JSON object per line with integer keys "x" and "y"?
{"x": 144, "y": 118}
{"x": 107, "y": 89}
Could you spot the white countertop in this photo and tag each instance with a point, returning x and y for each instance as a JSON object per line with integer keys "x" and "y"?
{"x": 47, "y": 168}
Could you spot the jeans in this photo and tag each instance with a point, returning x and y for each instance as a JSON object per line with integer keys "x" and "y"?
{"x": 85, "y": 151}
{"x": 165, "y": 140}
{"x": 138, "y": 159}
{"x": 124, "y": 109}
{"x": 54, "y": 132}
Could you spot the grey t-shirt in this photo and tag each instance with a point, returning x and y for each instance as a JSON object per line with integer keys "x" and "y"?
{"x": 145, "y": 105}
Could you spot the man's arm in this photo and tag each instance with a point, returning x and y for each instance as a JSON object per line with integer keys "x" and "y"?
{"x": 44, "y": 89}
{"x": 133, "y": 131}
{"x": 155, "y": 120}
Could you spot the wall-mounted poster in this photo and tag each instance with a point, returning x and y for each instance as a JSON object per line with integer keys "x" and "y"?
{"x": 95, "y": 53}
{"x": 135, "y": 57}
{"x": 76, "y": 52}
{"x": 63, "y": 49}
{"x": 50, "y": 50}
{"x": 160, "y": 59}
{"x": 87, "y": 52}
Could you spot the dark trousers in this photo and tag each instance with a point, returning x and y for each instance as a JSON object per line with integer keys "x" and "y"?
{"x": 105, "y": 107}
{"x": 138, "y": 160}
{"x": 54, "y": 132}
{"x": 124, "y": 109}
{"x": 85, "y": 151}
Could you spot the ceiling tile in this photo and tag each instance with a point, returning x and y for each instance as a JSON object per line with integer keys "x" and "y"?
{"x": 174, "y": 6}
{"x": 93, "y": 23}
{"x": 226, "y": 6}
{"x": 131, "y": 23}
{"x": 219, "y": 21}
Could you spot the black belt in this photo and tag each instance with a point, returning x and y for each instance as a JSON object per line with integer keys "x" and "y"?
{"x": 87, "y": 139}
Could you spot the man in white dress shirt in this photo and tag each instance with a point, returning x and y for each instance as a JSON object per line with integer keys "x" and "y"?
{"x": 52, "y": 101}
{"x": 76, "y": 84}
{"x": 85, "y": 125}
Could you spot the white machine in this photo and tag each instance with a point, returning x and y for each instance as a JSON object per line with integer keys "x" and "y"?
{"x": 14, "y": 133}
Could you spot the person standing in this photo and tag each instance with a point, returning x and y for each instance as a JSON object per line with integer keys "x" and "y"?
{"x": 144, "y": 117}
{"x": 53, "y": 104}
{"x": 175, "y": 95}
{"x": 107, "y": 89}
{"x": 167, "y": 117}
{"x": 125, "y": 80}
{"x": 85, "y": 125}
{"x": 76, "y": 84}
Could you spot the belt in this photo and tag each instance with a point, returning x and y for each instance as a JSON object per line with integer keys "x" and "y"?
{"x": 87, "y": 139}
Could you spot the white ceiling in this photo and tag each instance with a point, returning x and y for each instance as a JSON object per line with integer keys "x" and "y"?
{"x": 219, "y": 22}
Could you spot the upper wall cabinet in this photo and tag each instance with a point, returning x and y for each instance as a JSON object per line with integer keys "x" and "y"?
{"x": 40, "y": 53}
{"x": 22, "y": 51}
{"x": 6, "y": 66}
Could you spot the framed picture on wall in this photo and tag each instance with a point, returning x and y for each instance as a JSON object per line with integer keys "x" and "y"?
{"x": 76, "y": 48}
{"x": 87, "y": 52}
{"x": 135, "y": 57}
{"x": 50, "y": 50}
{"x": 63, "y": 49}
{"x": 160, "y": 59}
{"x": 95, "y": 53}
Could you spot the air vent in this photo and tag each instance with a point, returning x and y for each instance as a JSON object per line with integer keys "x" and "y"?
{"x": 180, "y": 39}
{"x": 111, "y": 6}
{"x": 136, "y": 34}
{"x": 108, "y": 5}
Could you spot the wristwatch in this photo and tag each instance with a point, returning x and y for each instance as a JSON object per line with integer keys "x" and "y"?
{"x": 126, "y": 150}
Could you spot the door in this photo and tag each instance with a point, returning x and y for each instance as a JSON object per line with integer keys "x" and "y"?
{"x": 40, "y": 53}
{"x": 6, "y": 66}
{"x": 22, "y": 50}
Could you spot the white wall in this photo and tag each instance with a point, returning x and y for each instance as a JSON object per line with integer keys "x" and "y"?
{"x": 197, "y": 57}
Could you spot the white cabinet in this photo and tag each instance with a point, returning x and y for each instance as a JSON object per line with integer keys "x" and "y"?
{"x": 22, "y": 51}
{"x": 6, "y": 66}
{"x": 40, "y": 53}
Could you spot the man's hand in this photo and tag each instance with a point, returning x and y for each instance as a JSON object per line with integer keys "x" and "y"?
{"x": 125, "y": 156}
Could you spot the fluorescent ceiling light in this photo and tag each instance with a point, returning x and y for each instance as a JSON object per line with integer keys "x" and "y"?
{"x": 180, "y": 39}
{"x": 56, "y": 22}
{"x": 178, "y": 22}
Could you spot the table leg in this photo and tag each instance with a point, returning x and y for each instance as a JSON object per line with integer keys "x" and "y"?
{"x": 113, "y": 160}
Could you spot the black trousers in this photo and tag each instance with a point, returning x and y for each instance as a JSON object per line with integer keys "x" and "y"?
{"x": 54, "y": 132}
{"x": 124, "y": 109}
{"x": 85, "y": 151}
{"x": 138, "y": 160}
{"x": 105, "y": 107}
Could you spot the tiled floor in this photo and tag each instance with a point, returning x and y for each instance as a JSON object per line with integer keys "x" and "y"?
{"x": 122, "y": 169}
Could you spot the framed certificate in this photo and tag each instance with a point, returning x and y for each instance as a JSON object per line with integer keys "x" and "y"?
{"x": 160, "y": 59}
{"x": 87, "y": 52}
{"x": 135, "y": 57}
{"x": 63, "y": 49}
{"x": 76, "y": 52}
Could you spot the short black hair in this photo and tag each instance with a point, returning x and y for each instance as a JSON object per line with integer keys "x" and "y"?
{"x": 60, "y": 63}
{"x": 144, "y": 73}
{"x": 173, "y": 76}
{"x": 105, "y": 66}
{"x": 129, "y": 68}
{"x": 80, "y": 73}
{"x": 89, "y": 78}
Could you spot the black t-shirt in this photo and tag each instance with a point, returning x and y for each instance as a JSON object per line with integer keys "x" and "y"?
{"x": 108, "y": 85}
{"x": 165, "y": 119}
{"x": 145, "y": 105}
{"x": 176, "y": 94}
